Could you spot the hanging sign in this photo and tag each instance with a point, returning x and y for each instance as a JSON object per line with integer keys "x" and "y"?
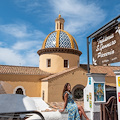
{"x": 106, "y": 48}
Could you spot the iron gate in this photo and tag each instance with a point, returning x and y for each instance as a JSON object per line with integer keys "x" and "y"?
{"x": 109, "y": 109}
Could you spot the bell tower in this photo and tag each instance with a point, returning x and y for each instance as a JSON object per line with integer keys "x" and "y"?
{"x": 59, "y": 23}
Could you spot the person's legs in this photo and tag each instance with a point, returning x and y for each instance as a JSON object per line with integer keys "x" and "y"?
{"x": 80, "y": 108}
{"x": 80, "y": 114}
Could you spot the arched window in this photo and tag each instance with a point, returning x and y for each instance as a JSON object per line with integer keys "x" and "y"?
{"x": 77, "y": 92}
{"x": 57, "y": 25}
{"x": 60, "y": 26}
{"x": 19, "y": 90}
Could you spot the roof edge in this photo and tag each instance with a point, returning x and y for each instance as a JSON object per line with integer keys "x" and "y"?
{"x": 60, "y": 50}
{"x": 60, "y": 73}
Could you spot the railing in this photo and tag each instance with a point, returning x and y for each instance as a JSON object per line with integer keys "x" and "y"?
{"x": 109, "y": 109}
{"x": 15, "y": 115}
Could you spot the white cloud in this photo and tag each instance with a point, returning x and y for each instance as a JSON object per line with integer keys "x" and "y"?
{"x": 25, "y": 45}
{"x": 79, "y": 16}
{"x": 22, "y": 51}
{"x": 10, "y": 57}
{"x": 18, "y": 31}
{"x": 21, "y": 31}
{"x": 36, "y": 34}
{"x": 29, "y": 6}
{"x": 32, "y": 58}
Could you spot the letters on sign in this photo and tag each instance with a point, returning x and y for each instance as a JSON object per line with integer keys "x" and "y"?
{"x": 106, "y": 48}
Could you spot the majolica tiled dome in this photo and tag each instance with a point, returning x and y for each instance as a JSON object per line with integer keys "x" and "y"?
{"x": 60, "y": 39}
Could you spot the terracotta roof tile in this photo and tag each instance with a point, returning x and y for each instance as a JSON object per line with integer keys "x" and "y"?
{"x": 93, "y": 69}
{"x": 7, "y": 69}
{"x": 104, "y": 69}
{"x": 60, "y": 73}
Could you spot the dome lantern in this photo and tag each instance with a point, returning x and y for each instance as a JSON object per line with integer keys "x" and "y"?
{"x": 59, "y": 23}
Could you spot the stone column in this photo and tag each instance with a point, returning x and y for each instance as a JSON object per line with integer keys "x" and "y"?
{"x": 117, "y": 72}
{"x": 94, "y": 94}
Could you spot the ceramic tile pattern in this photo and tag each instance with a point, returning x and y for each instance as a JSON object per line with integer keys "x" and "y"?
{"x": 64, "y": 40}
{"x": 51, "y": 41}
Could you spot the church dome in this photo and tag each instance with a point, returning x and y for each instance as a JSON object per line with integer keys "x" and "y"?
{"x": 60, "y": 39}
{"x": 59, "y": 50}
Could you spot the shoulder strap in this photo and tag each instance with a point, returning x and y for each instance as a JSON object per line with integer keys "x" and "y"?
{"x": 66, "y": 92}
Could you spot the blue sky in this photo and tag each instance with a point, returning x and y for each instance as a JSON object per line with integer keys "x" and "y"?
{"x": 24, "y": 24}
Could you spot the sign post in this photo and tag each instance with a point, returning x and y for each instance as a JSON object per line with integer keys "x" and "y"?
{"x": 94, "y": 94}
{"x": 117, "y": 72}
